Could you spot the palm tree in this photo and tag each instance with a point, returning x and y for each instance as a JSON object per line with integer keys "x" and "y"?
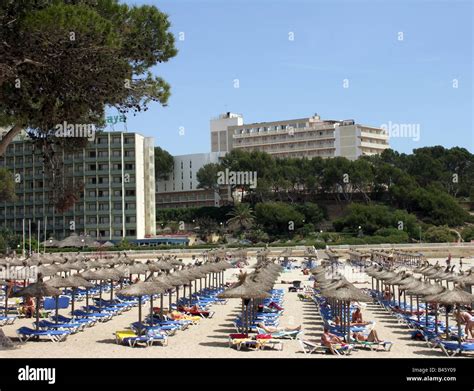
{"x": 241, "y": 217}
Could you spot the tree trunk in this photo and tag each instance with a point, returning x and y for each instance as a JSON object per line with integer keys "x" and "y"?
{"x": 8, "y": 138}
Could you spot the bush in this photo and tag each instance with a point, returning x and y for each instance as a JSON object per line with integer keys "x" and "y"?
{"x": 437, "y": 207}
{"x": 313, "y": 214}
{"x": 440, "y": 235}
{"x": 468, "y": 234}
{"x": 375, "y": 217}
{"x": 278, "y": 218}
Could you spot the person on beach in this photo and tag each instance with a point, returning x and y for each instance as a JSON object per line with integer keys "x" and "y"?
{"x": 372, "y": 337}
{"x": 337, "y": 322}
{"x": 465, "y": 317}
{"x": 357, "y": 316}
{"x": 328, "y": 340}
{"x": 28, "y": 307}
{"x": 387, "y": 295}
{"x": 448, "y": 261}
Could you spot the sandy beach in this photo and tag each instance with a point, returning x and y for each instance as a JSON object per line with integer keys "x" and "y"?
{"x": 209, "y": 339}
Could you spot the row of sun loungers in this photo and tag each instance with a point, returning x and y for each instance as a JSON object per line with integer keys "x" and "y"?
{"x": 158, "y": 330}
{"x": 327, "y": 314}
{"x": 59, "y": 327}
{"x": 408, "y": 316}
{"x": 263, "y": 338}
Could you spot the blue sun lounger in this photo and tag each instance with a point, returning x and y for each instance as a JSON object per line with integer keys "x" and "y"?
{"x": 72, "y": 327}
{"x": 85, "y": 321}
{"x": 452, "y": 348}
{"x": 25, "y": 334}
{"x": 140, "y": 328}
{"x": 6, "y": 320}
{"x": 103, "y": 317}
{"x": 293, "y": 334}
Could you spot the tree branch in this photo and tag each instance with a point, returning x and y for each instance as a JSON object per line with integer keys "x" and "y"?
{"x": 8, "y": 138}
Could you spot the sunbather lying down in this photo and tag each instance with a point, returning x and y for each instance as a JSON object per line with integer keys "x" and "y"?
{"x": 371, "y": 337}
{"x": 271, "y": 329}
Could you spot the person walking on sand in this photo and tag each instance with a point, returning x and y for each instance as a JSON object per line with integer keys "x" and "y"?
{"x": 465, "y": 317}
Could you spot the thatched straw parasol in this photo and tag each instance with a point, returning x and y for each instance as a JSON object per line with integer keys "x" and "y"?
{"x": 51, "y": 242}
{"x": 37, "y": 290}
{"x": 455, "y": 296}
{"x": 49, "y": 270}
{"x": 345, "y": 294}
{"x": 141, "y": 289}
{"x": 136, "y": 268}
{"x": 246, "y": 291}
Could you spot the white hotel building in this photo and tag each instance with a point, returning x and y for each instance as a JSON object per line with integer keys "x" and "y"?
{"x": 304, "y": 137}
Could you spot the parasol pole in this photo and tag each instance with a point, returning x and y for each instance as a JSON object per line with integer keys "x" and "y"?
{"x": 161, "y": 306}
{"x": 447, "y": 320}
{"x": 151, "y": 309}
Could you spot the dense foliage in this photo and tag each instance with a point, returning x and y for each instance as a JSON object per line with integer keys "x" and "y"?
{"x": 164, "y": 164}
{"x": 427, "y": 183}
{"x": 66, "y": 61}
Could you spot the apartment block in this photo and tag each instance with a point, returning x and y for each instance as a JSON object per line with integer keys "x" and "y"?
{"x": 118, "y": 201}
{"x": 181, "y": 190}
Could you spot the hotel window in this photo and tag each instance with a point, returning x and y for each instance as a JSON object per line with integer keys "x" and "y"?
{"x": 129, "y": 193}
{"x": 103, "y": 220}
{"x": 190, "y": 164}
{"x": 91, "y": 207}
{"x": 130, "y": 219}
{"x": 129, "y": 166}
{"x": 116, "y": 166}
{"x": 104, "y": 206}
{"x": 92, "y": 167}
{"x": 103, "y": 193}
{"x": 181, "y": 165}
{"x": 92, "y": 154}
{"x": 103, "y": 153}
{"x": 116, "y": 140}
{"x": 117, "y": 179}
{"x": 116, "y": 153}
{"x": 117, "y": 219}
{"x": 117, "y": 205}
{"x": 130, "y": 153}
{"x": 103, "y": 167}
{"x": 130, "y": 206}
{"x": 117, "y": 193}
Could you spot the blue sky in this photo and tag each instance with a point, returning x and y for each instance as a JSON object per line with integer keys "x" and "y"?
{"x": 407, "y": 81}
